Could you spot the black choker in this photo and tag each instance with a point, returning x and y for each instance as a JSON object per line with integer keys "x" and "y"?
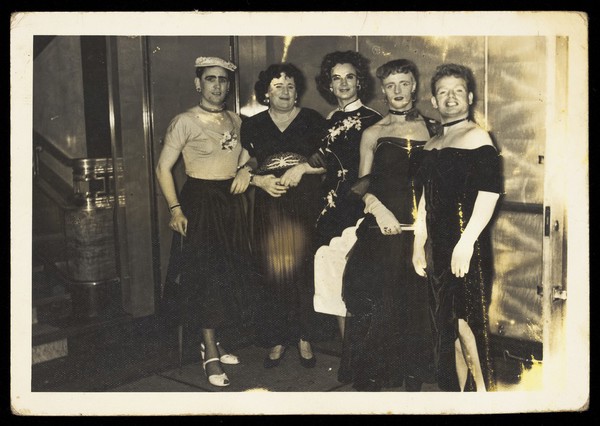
{"x": 211, "y": 110}
{"x": 452, "y": 123}
{"x": 408, "y": 111}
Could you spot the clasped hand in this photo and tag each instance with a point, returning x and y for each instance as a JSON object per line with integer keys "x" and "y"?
{"x": 293, "y": 175}
{"x": 241, "y": 181}
{"x": 271, "y": 185}
{"x": 317, "y": 160}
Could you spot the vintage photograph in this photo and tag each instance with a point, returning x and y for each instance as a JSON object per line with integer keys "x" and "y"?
{"x": 299, "y": 213}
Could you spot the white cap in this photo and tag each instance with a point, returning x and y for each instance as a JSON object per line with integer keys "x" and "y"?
{"x": 212, "y": 61}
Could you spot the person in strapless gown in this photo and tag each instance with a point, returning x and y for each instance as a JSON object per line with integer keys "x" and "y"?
{"x": 461, "y": 175}
{"x": 388, "y": 340}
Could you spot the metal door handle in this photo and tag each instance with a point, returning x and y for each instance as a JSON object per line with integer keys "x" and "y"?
{"x": 508, "y": 355}
{"x": 558, "y": 293}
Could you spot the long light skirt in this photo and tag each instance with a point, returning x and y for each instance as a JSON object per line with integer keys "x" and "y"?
{"x": 330, "y": 261}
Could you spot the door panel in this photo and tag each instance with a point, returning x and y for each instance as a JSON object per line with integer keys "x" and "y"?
{"x": 516, "y": 309}
{"x": 516, "y": 105}
{"x": 517, "y": 113}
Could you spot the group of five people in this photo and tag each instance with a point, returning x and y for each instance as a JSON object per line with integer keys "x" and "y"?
{"x": 416, "y": 193}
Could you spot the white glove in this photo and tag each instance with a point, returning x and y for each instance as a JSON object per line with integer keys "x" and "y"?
{"x": 388, "y": 224}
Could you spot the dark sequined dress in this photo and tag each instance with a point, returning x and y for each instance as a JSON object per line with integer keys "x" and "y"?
{"x": 452, "y": 179}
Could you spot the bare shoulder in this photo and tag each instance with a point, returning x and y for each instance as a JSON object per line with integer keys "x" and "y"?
{"x": 476, "y": 137}
{"x": 370, "y": 135}
{"x": 374, "y": 130}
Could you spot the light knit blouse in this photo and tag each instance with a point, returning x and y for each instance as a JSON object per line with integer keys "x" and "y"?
{"x": 209, "y": 141}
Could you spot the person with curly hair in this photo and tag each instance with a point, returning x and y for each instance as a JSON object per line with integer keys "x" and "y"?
{"x": 280, "y": 140}
{"x": 344, "y": 81}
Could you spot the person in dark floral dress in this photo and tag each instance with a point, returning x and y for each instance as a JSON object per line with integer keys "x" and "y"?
{"x": 344, "y": 81}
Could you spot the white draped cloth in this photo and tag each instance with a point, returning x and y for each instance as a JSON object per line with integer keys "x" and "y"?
{"x": 330, "y": 261}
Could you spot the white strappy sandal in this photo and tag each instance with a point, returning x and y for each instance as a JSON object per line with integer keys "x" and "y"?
{"x": 226, "y": 358}
{"x": 220, "y": 380}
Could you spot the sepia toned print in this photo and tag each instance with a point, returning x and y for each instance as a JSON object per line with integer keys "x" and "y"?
{"x": 90, "y": 114}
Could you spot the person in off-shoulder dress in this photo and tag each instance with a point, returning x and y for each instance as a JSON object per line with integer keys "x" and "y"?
{"x": 462, "y": 181}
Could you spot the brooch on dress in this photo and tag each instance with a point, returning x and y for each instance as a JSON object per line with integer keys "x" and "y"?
{"x": 280, "y": 161}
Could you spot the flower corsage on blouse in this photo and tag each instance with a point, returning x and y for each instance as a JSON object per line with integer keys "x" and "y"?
{"x": 229, "y": 140}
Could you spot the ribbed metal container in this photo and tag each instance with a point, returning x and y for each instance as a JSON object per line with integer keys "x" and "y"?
{"x": 90, "y": 236}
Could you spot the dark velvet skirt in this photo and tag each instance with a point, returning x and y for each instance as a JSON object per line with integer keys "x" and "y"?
{"x": 211, "y": 279}
{"x": 466, "y": 298}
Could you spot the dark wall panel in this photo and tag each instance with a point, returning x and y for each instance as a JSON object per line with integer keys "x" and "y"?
{"x": 58, "y": 107}
{"x": 58, "y": 111}
{"x": 137, "y": 177}
{"x": 95, "y": 96}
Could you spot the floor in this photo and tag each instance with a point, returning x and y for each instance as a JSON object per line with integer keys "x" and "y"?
{"x": 136, "y": 365}
{"x": 116, "y": 355}
{"x": 250, "y": 375}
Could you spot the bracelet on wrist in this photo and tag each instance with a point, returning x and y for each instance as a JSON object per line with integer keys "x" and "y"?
{"x": 174, "y": 206}
{"x": 244, "y": 166}
{"x": 251, "y": 182}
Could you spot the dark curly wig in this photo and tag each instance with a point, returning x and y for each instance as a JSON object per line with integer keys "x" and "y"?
{"x": 261, "y": 87}
{"x": 359, "y": 62}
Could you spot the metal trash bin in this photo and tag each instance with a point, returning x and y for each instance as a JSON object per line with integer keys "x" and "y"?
{"x": 90, "y": 238}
